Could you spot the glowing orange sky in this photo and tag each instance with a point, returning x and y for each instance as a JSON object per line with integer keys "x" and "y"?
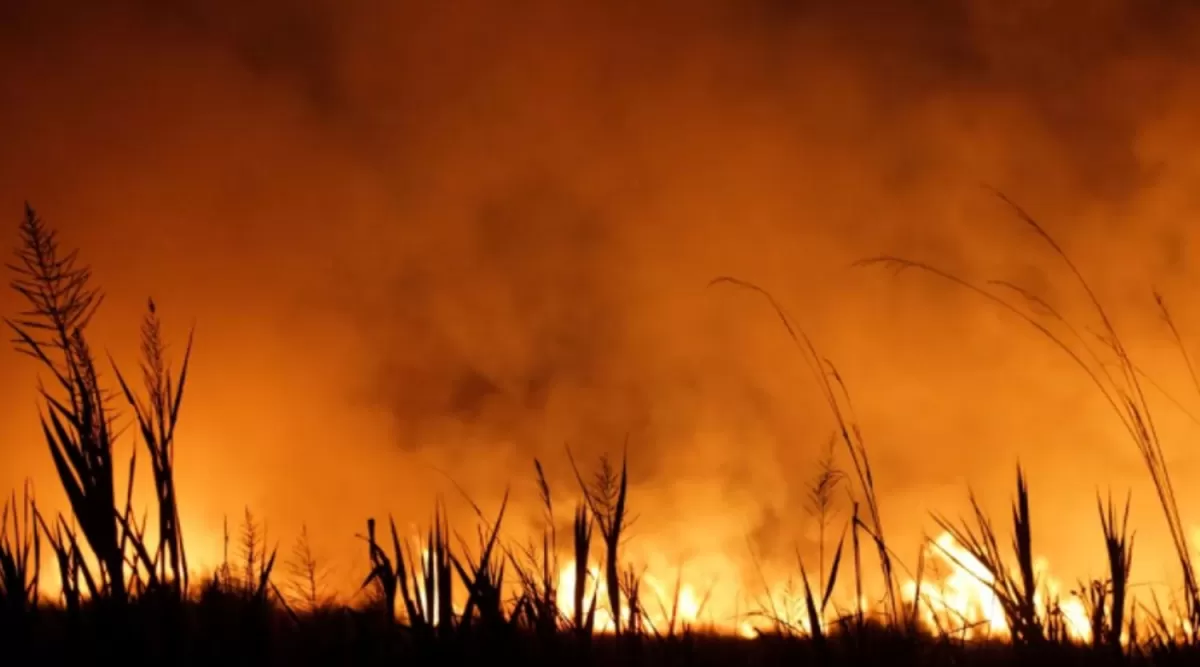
{"x": 371, "y": 210}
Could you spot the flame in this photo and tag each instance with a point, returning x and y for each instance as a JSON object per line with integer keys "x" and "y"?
{"x": 956, "y": 595}
{"x": 679, "y": 607}
{"x": 965, "y": 600}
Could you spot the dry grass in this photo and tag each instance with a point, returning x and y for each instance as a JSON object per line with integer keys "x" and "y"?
{"x": 1108, "y": 363}
{"x": 453, "y": 600}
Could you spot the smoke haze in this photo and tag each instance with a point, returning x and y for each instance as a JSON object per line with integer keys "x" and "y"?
{"x": 427, "y": 238}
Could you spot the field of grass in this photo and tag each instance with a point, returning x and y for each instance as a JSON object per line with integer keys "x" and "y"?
{"x": 126, "y": 592}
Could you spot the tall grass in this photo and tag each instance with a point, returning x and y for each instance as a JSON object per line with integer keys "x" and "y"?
{"x": 1108, "y": 600}
{"x": 157, "y": 417}
{"x": 446, "y": 599}
{"x": 1107, "y": 362}
{"x": 20, "y": 563}
{"x": 78, "y": 421}
{"x": 1015, "y": 588}
{"x": 308, "y": 581}
{"x": 606, "y": 501}
{"x": 837, "y": 398}
{"x": 77, "y": 424}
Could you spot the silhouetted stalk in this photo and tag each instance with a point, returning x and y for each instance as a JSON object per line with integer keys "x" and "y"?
{"x": 382, "y": 573}
{"x": 859, "y": 621}
{"x": 837, "y": 398}
{"x": 1118, "y": 547}
{"x": 1122, "y": 390}
{"x": 631, "y": 587}
{"x": 538, "y": 603}
{"x": 914, "y": 611}
{"x": 77, "y": 429}
{"x": 20, "y": 572}
{"x": 820, "y": 504}
{"x": 483, "y": 578}
{"x": 585, "y": 620}
{"x": 256, "y": 581}
{"x": 157, "y": 418}
{"x": 307, "y": 576}
{"x": 1017, "y": 597}
{"x": 1023, "y": 547}
{"x": 438, "y": 577}
{"x": 606, "y": 498}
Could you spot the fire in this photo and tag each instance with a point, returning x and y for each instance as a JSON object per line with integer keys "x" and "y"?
{"x": 965, "y": 602}
{"x": 680, "y": 607}
{"x": 956, "y": 596}
{"x": 963, "y": 598}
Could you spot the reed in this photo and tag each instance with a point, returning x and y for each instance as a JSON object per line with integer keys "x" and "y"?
{"x": 447, "y": 600}
{"x": 1107, "y": 363}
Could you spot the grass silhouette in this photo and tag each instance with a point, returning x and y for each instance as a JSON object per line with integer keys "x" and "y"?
{"x": 127, "y": 598}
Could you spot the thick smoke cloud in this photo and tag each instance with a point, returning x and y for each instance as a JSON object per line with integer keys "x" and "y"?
{"x": 422, "y": 237}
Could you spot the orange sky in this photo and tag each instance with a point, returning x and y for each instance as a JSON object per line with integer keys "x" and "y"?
{"x": 375, "y": 210}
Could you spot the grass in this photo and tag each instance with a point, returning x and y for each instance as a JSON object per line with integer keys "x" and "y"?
{"x": 449, "y": 599}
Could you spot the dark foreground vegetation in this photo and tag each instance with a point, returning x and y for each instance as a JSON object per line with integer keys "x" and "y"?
{"x": 126, "y": 596}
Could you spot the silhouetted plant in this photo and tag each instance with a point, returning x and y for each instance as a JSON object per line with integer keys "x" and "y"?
{"x": 20, "y": 563}
{"x": 77, "y": 428}
{"x": 77, "y": 431}
{"x": 1118, "y": 379}
{"x": 606, "y": 499}
{"x": 537, "y": 570}
{"x": 307, "y": 585}
{"x": 820, "y": 505}
{"x": 157, "y": 418}
{"x": 837, "y": 399}
{"x": 1015, "y": 593}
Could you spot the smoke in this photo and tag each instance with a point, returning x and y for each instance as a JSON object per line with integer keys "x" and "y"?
{"x": 420, "y": 239}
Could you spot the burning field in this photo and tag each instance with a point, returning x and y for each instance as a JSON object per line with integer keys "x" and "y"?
{"x": 112, "y": 581}
{"x": 723, "y": 332}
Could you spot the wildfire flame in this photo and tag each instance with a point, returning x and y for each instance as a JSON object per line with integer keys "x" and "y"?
{"x": 965, "y": 601}
{"x": 956, "y": 596}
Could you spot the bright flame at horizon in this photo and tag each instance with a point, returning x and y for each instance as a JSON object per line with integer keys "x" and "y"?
{"x": 956, "y": 596}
